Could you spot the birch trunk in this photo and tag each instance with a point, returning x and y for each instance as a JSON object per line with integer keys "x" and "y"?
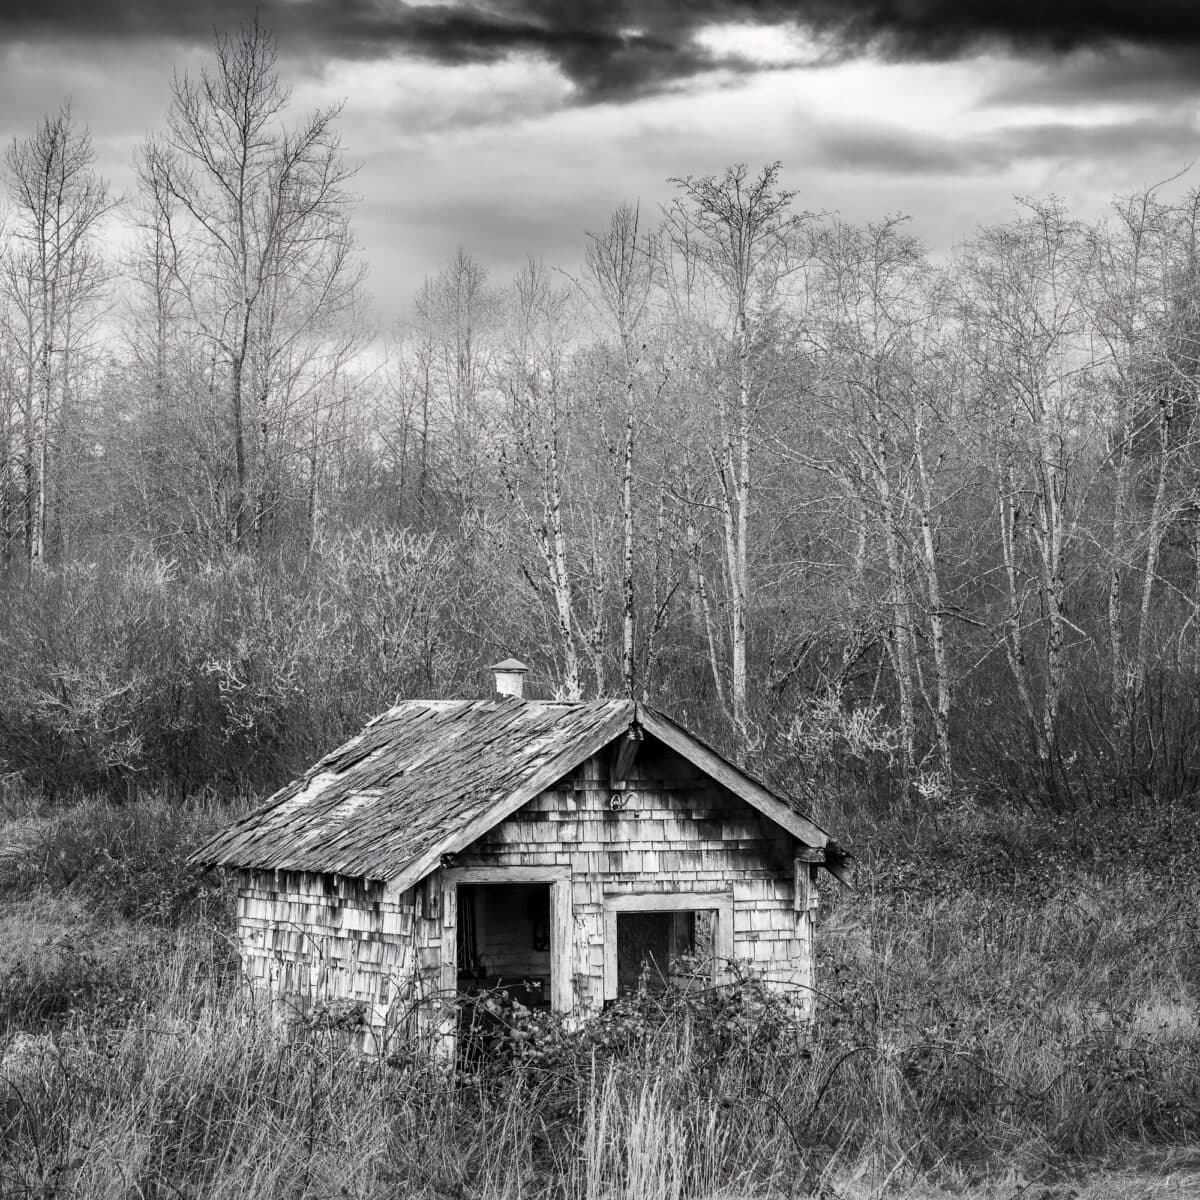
{"x": 741, "y": 232}
{"x": 901, "y": 631}
{"x": 1048, "y": 534}
{"x": 664, "y": 542}
{"x": 311, "y": 500}
{"x": 937, "y": 631}
{"x": 30, "y": 455}
{"x": 595, "y": 640}
{"x": 621, "y": 273}
{"x": 704, "y": 609}
{"x": 740, "y": 581}
{"x": 627, "y": 592}
{"x": 1119, "y": 676}
{"x": 854, "y": 584}
{"x": 1154, "y": 539}
{"x": 1014, "y": 645}
{"x": 556, "y": 550}
{"x": 237, "y": 366}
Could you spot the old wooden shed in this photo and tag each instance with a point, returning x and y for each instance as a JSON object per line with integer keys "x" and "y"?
{"x": 562, "y": 848}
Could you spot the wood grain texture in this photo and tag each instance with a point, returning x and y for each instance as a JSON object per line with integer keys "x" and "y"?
{"x": 562, "y": 983}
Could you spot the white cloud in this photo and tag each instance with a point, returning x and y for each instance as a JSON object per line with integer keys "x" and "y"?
{"x": 495, "y": 157}
{"x": 766, "y": 45}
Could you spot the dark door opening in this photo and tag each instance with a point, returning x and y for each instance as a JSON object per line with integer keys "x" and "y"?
{"x": 504, "y": 940}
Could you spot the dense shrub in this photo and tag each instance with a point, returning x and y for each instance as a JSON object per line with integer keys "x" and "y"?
{"x": 229, "y": 674}
{"x": 126, "y": 861}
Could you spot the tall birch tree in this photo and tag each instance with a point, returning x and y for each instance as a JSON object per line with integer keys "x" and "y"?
{"x": 882, "y": 442}
{"x": 620, "y": 281}
{"x": 1024, "y": 312}
{"x": 534, "y": 454}
{"x": 53, "y": 279}
{"x": 737, "y": 234}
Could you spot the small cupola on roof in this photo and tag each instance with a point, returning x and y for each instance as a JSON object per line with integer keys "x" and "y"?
{"x": 510, "y": 677}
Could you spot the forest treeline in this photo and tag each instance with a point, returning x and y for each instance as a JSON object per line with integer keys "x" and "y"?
{"x": 924, "y": 528}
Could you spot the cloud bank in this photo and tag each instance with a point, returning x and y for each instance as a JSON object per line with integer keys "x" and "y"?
{"x": 615, "y": 50}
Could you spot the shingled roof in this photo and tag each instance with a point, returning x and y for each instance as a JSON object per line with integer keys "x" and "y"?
{"x": 428, "y": 777}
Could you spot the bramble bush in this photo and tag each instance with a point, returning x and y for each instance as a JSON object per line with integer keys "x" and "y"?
{"x": 743, "y": 1020}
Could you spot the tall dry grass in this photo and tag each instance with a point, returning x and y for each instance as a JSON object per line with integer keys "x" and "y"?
{"x": 973, "y": 1025}
{"x": 201, "y": 1096}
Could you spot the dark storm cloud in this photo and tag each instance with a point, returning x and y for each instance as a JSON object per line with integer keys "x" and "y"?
{"x": 1122, "y": 73}
{"x": 1106, "y": 142}
{"x": 618, "y": 49}
{"x": 895, "y": 151}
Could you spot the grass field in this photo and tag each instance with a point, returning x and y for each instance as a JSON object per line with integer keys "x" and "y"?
{"x": 1008, "y": 1009}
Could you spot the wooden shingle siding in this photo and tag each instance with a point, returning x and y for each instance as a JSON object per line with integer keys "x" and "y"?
{"x": 340, "y": 910}
{"x": 307, "y": 938}
{"x": 678, "y": 832}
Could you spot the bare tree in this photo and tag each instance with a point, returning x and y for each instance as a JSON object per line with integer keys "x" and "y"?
{"x": 620, "y": 274}
{"x": 53, "y": 282}
{"x": 254, "y": 216}
{"x": 1129, "y": 308}
{"x": 881, "y": 440}
{"x": 417, "y": 386}
{"x": 737, "y": 233}
{"x": 465, "y": 307}
{"x": 442, "y": 375}
{"x": 1023, "y": 305}
{"x": 534, "y": 453}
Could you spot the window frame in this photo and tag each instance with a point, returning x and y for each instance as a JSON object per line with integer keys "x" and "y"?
{"x": 718, "y": 903}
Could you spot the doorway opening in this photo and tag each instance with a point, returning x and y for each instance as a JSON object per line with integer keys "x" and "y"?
{"x": 503, "y": 937}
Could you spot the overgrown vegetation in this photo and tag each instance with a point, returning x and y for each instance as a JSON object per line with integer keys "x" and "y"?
{"x": 918, "y": 541}
{"x": 786, "y": 476}
{"x": 1021, "y": 1009}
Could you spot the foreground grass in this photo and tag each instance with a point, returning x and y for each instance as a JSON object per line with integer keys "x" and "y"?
{"x": 1006, "y": 1009}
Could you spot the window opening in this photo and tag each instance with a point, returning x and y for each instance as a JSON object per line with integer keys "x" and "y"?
{"x": 662, "y": 937}
{"x": 656, "y": 948}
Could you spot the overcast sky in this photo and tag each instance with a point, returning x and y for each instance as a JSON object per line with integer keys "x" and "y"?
{"x": 515, "y": 126}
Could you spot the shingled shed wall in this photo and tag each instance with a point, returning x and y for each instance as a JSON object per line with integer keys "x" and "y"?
{"x": 678, "y": 832}
{"x": 308, "y": 938}
{"x": 350, "y": 875}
